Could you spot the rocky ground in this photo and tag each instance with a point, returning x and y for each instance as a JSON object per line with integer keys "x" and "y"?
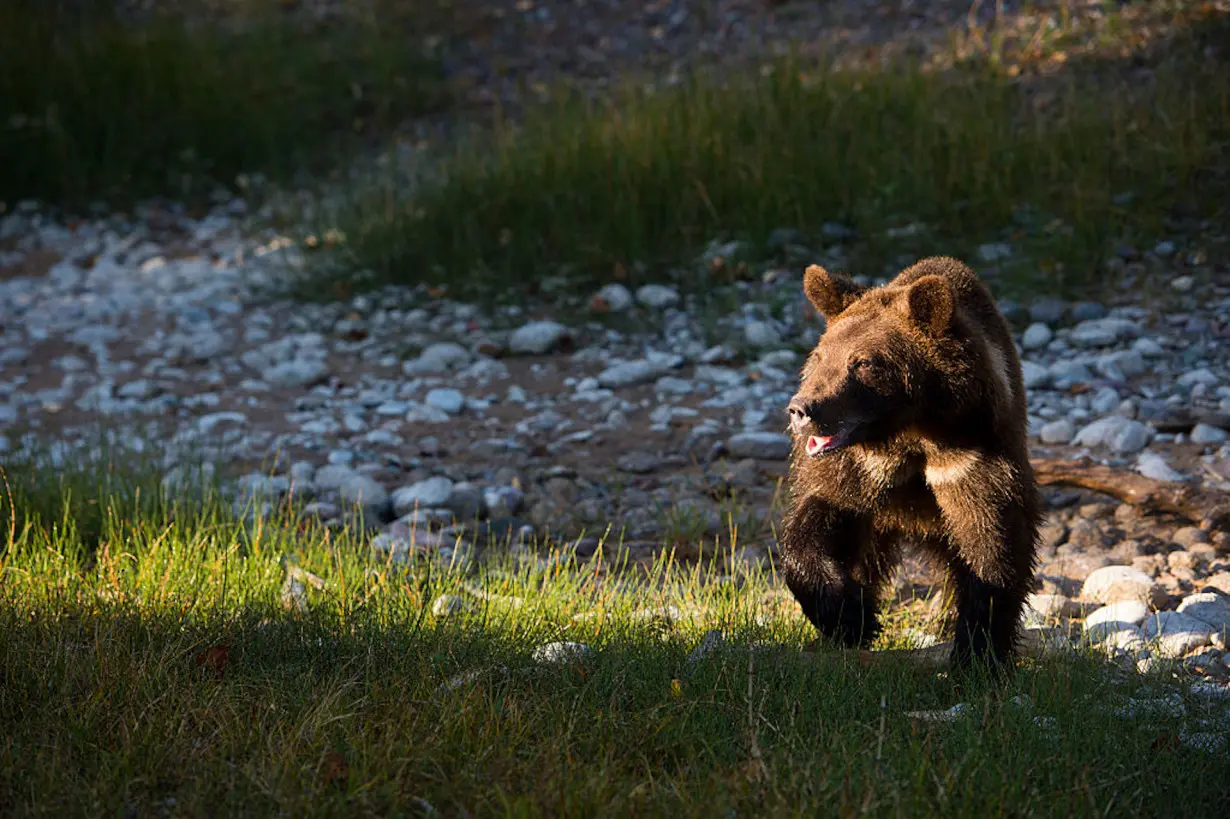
{"x": 647, "y": 421}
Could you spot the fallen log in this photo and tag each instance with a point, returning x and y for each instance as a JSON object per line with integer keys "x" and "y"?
{"x": 1204, "y": 507}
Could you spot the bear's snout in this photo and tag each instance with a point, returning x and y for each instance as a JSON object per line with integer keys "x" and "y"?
{"x": 799, "y": 420}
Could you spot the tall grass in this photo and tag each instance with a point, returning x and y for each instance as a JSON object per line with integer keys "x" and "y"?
{"x": 95, "y": 107}
{"x": 157, "y": 672}
{"x": 1061, "y": 168}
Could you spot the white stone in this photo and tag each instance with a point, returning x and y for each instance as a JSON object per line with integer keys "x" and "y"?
{"x": 657, "y": 296}
{"x": 616, "y": 297}
{"x": 320, "y": 427}
{"x": 341, "y": 456}
{"x": 208, "y": 423}
{"x": 1120, "y": 365}
{"x": 536, "y": 338}
{"x": 364, "y": 491}
{"x": 424, "y": 414}
{"x": 1112, "y": 584}
{"x": 770, "y": 446}
{"x": 1065, "y": 372}
{"x": 1057, "y": 432}
{"x": 1154, "y": 466}
{"x": 140, "y": 389}
{"x": 443, "y": 356}
{"x": 1101, "y": 332}
{"x": 1129, "y": 638}
{"x": 257, "y": 486}
{"x": 297, "y": 372}
{"x": 630, "y": 373}
{"x": 1209, "y": 608}
{"x": 333, "y": 476}
{"x": 1148, "y": 347}
{"x": 1035, "y": 375}
{"x": 717, "y": 354}
{"x": 1036, "y": 335}
{"x": 1116, "y": 617}
{"x": 446, "y": 400}
{"x": 485, "y": 369}
{"x": 301, "y": 473}
{"x": 1200, "y": 376}
{"x": 1123, "y": 435}
{"x": 1096, "y": 433}
{"x": 1131, "y": 438}
{"x": 1105, "y": 401}
{"x": 562, "y": 652}
{"x": 426, "y": 494}
{"x": 503, "y": 501}
{"x": 669, "y": 385}
{"x": 466, "y": 501}
{"x": 1208, "y": 434}
{"x": 722, "y": 376}
{"x": 392, "y": 408}
{"x": 1177, "y": 634}
{"x": 1041, "y": 606}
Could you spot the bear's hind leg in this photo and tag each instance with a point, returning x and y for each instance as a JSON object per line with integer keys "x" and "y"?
{"x": 988, "y": 617}
{"x": 829, "y": 561}
{"x": 992, "y": 581}
{"x": 991, "y": 520}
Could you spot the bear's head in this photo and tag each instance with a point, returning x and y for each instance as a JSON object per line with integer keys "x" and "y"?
{"x": 869, "y": 374}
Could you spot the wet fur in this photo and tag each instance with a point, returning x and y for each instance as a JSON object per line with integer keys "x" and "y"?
{"x": 941, "y": 459}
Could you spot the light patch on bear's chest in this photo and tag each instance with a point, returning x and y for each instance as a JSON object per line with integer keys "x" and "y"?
{"x": 949, "y": 466}
{"x": 886, "y": 470}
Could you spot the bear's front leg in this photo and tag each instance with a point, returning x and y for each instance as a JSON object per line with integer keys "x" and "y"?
{"x": 988, "y": 620}
{"x": 992, "y": 527}
{"x": 826, "y": 564}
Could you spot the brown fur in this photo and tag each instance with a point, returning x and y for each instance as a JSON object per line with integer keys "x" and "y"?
{"x": 922, "y": 383}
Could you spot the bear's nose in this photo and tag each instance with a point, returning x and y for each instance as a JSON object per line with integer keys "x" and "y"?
{"x": 798, "y": 415}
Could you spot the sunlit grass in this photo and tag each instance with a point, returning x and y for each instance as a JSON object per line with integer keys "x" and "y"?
{"x": 163, "y": 665}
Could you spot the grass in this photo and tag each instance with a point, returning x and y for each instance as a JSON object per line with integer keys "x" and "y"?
{"x": 1061, "y": 166}
{"x": 93, "y": 107}
{"x": 155, "y": 671}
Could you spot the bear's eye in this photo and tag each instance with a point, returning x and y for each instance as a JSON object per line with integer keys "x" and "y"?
{"x": 861, "y": 366}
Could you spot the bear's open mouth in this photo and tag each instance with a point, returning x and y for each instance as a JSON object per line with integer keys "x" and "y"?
{"x": 820, "y": 444}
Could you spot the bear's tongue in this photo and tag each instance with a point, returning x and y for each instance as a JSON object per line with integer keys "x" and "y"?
{"x": 818, "y": 443}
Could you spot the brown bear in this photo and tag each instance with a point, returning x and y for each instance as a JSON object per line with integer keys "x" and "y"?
{"x": 909, "y": 426}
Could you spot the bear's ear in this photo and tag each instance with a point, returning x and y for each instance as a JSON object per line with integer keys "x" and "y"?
{"x": 828, "y": 293}
{"x": 929, "y": 303}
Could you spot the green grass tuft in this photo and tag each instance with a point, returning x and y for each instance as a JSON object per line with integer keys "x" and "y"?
{"x": 94, "y": 107}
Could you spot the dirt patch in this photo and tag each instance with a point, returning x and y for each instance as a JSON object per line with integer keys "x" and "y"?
{"x": 34, "y": 264}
